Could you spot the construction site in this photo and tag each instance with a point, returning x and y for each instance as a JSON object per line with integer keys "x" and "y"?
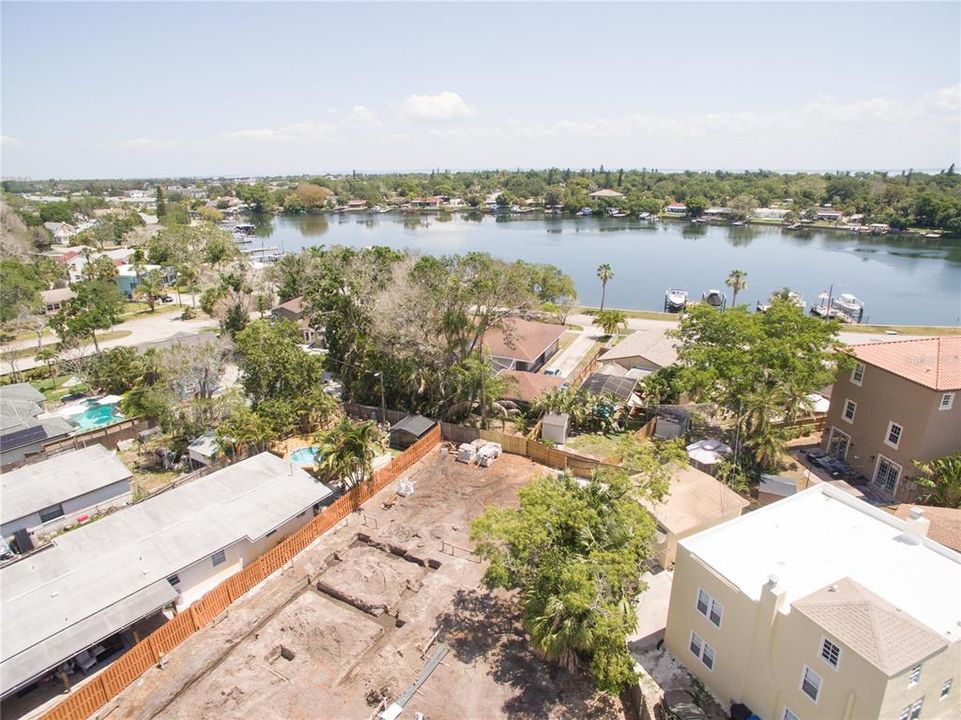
{"x": 383, "y": 616}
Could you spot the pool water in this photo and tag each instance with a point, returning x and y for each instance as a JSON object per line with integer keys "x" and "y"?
{"x": 96, "y": 416}
{"x": 304, "y": 456}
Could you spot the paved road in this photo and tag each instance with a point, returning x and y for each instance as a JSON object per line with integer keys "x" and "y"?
{"x": 568, "y": 360}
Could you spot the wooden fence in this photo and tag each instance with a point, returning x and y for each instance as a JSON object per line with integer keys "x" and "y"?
{"x": 108, "y": 436}
{"x": 91, "y": 696}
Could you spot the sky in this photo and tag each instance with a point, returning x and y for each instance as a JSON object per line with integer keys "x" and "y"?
{"x": 237, "y": 89}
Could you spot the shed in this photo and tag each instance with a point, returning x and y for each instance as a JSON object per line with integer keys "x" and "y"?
{"x": 409, "y": 430}
{"x": 671, "y": 424}
{"x": 554, "y": 427}
{"x": 203, "y": 450}
{"x": 775, "y": 487}
{"x": 695, "y": 502}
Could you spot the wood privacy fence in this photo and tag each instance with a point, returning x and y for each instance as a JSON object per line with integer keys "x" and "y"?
{"x": 146, "y": 654}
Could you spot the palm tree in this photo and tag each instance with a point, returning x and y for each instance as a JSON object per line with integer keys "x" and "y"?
{"x": 611, "y": 321}
{"x": 604, "y": 273}
{"x": 737, "y": 281}
{"x": 940, "y": 480}
{"x": 347, "y": 451}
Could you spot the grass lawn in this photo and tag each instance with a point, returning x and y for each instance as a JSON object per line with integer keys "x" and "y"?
{"x": 643, "y": 314}
{"x": 53, "y": 389}
{"x": 566, "y": 339}
{"x": 904, "y": 329}
{"x": 602, "y": 447}
{"x": 134, "y": 310}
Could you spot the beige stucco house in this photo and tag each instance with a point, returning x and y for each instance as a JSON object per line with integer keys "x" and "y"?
{"x": 645, "y": 349}
{"x": 821, "y": 606}
{"x": 900, "y": 403}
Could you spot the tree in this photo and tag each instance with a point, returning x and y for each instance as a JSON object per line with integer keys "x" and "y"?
{"x": 99, "y": 269}
{"x": 611, "y": 321}
{"x": 96, "y": 306}
{"x": 347, "y": 451}
{"x": 272, "y": 365}
{"x": 737, "y": 281}
{"x": 150, "y": 288}
{"x": 20, "y": 287}
{"x": 115, "y": 370}
{"x": 244, "y": 431}
{"x": 604, "y": 273}
{"x": 940, "y": 480}
{"x": 210, "y": 214}
{"x": 575, "y": 555}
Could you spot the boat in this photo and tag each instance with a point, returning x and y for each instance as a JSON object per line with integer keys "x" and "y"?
{"x": 715, "y": 298}
{"x": 242, "y": 239}
{"x": 675, "y": 299}
{"x": 793, "y": 226}
{"x": 845, "y": 307}
{"x": 614, "y": 212}
{"x": 737, "y": 223}
{"x": 244, "y": 228}
{"x": 932, "y": 235}
{"x": 583, "y": 212}
{"x": 792, "y": 297}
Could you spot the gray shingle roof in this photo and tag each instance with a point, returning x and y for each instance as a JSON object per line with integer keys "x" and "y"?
{"x": 416, "y": 425}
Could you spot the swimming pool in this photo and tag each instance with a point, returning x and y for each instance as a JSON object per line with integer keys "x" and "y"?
{"x": 304, "y": 456}
{"x": 96, "y": 416}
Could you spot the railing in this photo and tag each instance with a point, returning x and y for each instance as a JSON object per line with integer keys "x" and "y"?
{"x": 93, "y": 695}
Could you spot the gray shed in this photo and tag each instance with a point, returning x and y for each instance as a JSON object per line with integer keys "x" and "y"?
{"x": 409, "y": 430}
{"x": 554, "y": 427}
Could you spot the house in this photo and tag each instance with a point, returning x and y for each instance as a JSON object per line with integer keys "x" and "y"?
{"x": 53, "y": 300}
{"x": 649, "y": 350}
{"x": 409, "y": 430}
{"x": 92, "y": 584}
{"x": 22, "y": 431}
{"x": 769, "y": 213}
{"x": 61, "y": 231}
{"x": 820, "y": 606}
{"x": 128, "y": 277}
{"x": 203, "y": 450}
{"x": 54, "y": 492}
{"x": 356, "y": 205}
{"x": 525, "y": 387}
{"x": 523, "y": 344}
{"x": 676, "y": 208}
{"x": 899, "y": 404}
{"x": 695, "y": 502}
{"x": 717, "y": 213}
{"x": 293, "y": 310}
{"x": 945, "y": 523}
{"x": 606, "y": 194}
{"x": 828, "y": 214}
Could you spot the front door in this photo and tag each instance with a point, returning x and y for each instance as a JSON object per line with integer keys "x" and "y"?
{"x": 838, "y": 444}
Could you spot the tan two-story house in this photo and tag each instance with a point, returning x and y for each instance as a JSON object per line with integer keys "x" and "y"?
{"x": 821, "y": 606}
{"x": 900, "y": 403}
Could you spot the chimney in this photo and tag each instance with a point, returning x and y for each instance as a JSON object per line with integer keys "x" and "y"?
{"x": 915, "y": 527}
{"x": 772, "y": 597}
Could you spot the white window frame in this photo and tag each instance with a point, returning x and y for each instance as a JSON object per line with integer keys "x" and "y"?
{"x": 946, "y": 688}
{"x": 915, "y": 677}
{"x": 857, "y": 380}
{"x": 789, "y": 714}
{"x": 710, "y": 605}
{"x": 877, "y": 466}
{"x": 218, "y": 558}
{"x": 905, "y": 713}
{"x": 703, "y": 649}
{"x": 817, "y": 694}
{"x": 839, "y": 431}
{"x": 827, "y": 641}
{"x": 887, "y": 434}
{"x": 916, "y": 708}
{"x": 942, "y": 405}
{"x": 854, "y": 410}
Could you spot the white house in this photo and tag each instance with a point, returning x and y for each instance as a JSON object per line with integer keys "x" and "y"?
{"x": 160, "y": 554}
{"x": 61, "y": 231}
{"x": 51, "y": 493}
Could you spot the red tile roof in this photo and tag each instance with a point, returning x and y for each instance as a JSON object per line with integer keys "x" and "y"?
{"x": 932, "y": 362}
{"x": 522, "y": 340}
{"x": 526, "y": 386}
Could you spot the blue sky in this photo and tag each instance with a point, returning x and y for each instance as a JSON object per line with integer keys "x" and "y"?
{"x": 140, "y": 89}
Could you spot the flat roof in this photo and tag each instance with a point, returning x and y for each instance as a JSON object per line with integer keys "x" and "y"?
{"x": 694, "y": 500}
{"x": 817, "y": 537}
{"x": 32, "y": 488}
{"x": 87, "y": 572}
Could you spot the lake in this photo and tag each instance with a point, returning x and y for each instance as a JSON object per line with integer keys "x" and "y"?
{"x": 902, "y": 280}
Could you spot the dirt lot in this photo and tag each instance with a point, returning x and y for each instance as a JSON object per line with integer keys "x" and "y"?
{"x": 359, "y": 614}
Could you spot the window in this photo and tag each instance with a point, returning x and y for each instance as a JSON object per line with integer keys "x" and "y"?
{"x": 947, "y": 401}
{"x": 915, "y": 676}
{"x": 893, "y": 436}
{"x": 830, "y": 652}
{"x": 51, "y": 513}
{"x": 218, "y": 557}
{"x": 857, "y": 375}
{"x": 838, "y": 443}
{"x": 810, "y": 683}
{"x": 788, "y": 715}
{"x": 850, "y": 407}
{"x": 946, "y": 688}
{"x": 905, "y": 714}
{"x": 916, "y": 710}
{"x": 174, "y": 579}
{"x": 702, "y": 651}
{"x": 887, "y": 474}
{"x": 709, "y": 607}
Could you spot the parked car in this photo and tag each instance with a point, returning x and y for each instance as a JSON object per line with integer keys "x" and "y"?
{"x": 166, "y": 298}
{"x": 681, "y": 705}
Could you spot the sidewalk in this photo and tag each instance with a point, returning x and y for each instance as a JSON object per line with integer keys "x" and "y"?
{"x": 568, "y": 360}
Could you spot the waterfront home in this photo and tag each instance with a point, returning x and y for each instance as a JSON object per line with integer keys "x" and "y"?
{"x": 829, "y": 214}
{"x": 22, "y": 432}
{"x": 820, "y": 606}
{"x": 47, "y": 495}
{"x": 717, "y": 213}
{"x": 53, "y": 300}
{"x": 356, "y": 205}
{"x": 899, "y": 404}
{"x": 770, "y": 213}
{"x": 648, "y": 350}
{"x": 525, "y": 387}
{"x": 77, "y": 601}
{"x": 293, "y": 310}
{"x": 676, "y": 208}
{"x": 606, "y": 194}
{"x": 427, "y": 202}
{"x": 523, "y": 344}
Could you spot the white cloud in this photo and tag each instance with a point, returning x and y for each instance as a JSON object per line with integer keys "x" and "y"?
{"x": 10, "y": 142}
{"x": 298, "y": 132}
{"x": 442, "y": 107}
{"x": 360, "y": 115}
{"x": 144, "y": 144}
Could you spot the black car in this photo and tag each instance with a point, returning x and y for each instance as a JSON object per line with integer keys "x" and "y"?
{"x": 814, "y": 455}
{"x": 166, "y": 298}
{"x": 681, "y": 705}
